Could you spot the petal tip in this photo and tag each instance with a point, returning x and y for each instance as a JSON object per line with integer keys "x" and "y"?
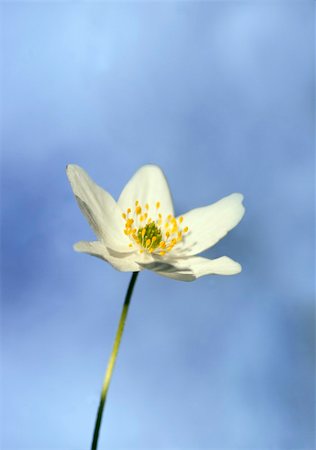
{"x": 238, "y": 268}
{"x": 71, "y": 168}
{"x": 227, "y": 266}
{"x": 152, "y": 168}
{"x": 238, "y": 196}
{"x": 77, "y": 247}
{"x": 71, "y": 171}
{"x": 239, "y": 199}
{"x": 232, "y": 267}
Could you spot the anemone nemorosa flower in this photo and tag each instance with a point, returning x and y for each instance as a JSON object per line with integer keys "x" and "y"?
{"x": 140, "y": 230}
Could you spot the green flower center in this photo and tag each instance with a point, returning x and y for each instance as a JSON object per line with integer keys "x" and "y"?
{"x": 149, "y": 236}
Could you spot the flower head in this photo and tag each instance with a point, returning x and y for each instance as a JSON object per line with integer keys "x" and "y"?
{"x": 140, "y": 230}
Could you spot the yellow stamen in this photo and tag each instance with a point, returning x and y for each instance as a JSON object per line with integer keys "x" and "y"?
{"x": 148, "y": 233}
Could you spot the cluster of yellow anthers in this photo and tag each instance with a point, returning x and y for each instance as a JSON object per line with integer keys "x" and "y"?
{"x": 153, "y": 235}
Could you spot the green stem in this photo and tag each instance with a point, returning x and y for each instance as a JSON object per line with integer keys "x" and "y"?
{"x": 111, "y": 363}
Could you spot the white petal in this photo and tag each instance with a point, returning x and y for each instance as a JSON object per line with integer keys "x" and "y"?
{"x": 124, "y": 263}
{"x": 189, "y": 269}
{"x": 219, "y": 266}
{"x": 209, "y": 224}
{"x": 168, "y": 270}
{"x": 148, "y": 185}
{"x": 100, "y": 209}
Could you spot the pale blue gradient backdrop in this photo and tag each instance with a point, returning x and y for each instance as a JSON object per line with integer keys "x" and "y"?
{"x": 220, "y": 95}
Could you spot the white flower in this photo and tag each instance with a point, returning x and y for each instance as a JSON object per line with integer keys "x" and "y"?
{"x": 140, "y": 231}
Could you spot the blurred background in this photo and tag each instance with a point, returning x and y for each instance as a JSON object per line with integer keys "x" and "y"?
{"x": 220, "y": 95}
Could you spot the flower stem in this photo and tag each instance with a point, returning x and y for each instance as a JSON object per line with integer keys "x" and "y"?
{"x": 111, "y": 363}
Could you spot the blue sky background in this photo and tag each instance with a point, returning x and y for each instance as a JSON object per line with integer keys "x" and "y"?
{"x": 221, "y": 96}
